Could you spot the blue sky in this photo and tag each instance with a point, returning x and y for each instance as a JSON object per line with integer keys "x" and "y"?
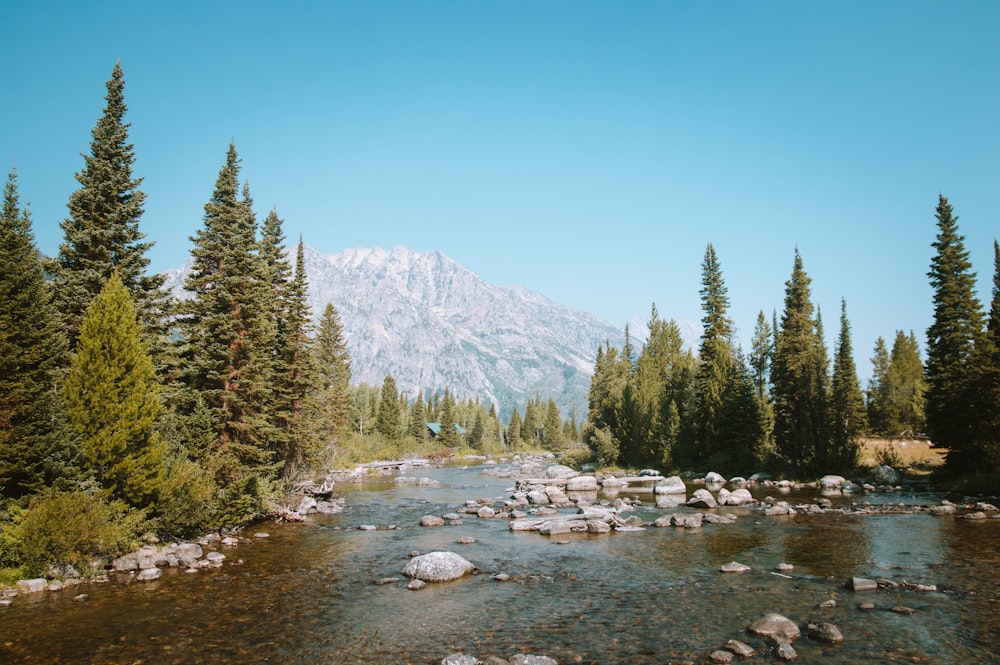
{"x": 585, "y": 150}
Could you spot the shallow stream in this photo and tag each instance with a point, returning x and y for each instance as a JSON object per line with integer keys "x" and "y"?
{"x": 309, "y": 592}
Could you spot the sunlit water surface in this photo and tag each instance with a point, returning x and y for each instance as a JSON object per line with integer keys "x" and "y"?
{"x": 308, "y": 594}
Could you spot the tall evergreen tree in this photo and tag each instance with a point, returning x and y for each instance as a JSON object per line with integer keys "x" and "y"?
{"x": 514, "y": 429}
{"x": 418, "y": 419}
{"x": 114, "y": 401}
{"x": 716, "y": 358}
{"x": 553, "y": 436}
{"x": 657, "y": 396}
{"x": 985, "y": 395}
{"x": 293, "y": 377}
{"x": 761, "y": 354}
{"x": 450, "y": 437}
{"x": 797, "y": 379}
{"x": 32, "y": 348}
{"x": 847, "y": 407}
{"x": 879, "y": 404}
{"x": 101, "y": 234}
{"x": 387, "y": 422}
{"x": 229, "y": 333}
{"x": 951, "y": 343}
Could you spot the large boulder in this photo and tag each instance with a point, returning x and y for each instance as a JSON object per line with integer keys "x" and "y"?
{"x": 713, "y": 478}
{"x": 581, "y": 484}
{"x": 831, "y": 482}
{"x": 437, "y": 567}
{"x": 775, "y": 627}
{"x": 560, "y": 471}
{"x": 886, "y": 475}
{"x": 739, "y": 497}
{"x": 671, "y": 485}
{"x": 702, "y": 498}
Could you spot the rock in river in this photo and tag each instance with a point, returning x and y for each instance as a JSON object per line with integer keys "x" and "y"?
{"x": 779, "y": 629}
{"x": 437, "y": 567}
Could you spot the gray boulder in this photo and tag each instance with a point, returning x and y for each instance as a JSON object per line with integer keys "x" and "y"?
{"x": 437, "y": 567}
{"x": 831, "y": 482}
{"x": 148, "y": 574}
{"x": 460, "y": 659}
{"x": 431, "y": 520}
{"x": 739, "y": 497}
{"x": 560, "y": 471}
{"x": 671, "y": 485}
{"x": 32, "y": 586}
{"x": 713, "y": 478}
{"x": 824, "y": 632}
{"x": 581, "y": 484}
{"x": 886, "y": 475}
{"x": 776, "y": 628}
{"x": 702, "y": 498}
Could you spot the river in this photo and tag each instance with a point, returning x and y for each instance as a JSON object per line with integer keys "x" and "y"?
{"x": 309, "y": 594}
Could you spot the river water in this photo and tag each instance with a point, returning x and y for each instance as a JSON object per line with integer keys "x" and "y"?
{"x": 309, "y": 592}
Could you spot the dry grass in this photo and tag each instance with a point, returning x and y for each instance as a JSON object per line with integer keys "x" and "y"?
{"x": 901, "y": 453}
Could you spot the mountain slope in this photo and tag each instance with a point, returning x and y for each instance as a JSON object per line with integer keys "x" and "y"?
{"x": 432, "y": 324}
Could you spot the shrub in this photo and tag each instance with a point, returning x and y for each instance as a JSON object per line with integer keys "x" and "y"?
{"x": 74, "y": 528}
{"x": 183, "y": 509}
{"x": 887, "y": 455}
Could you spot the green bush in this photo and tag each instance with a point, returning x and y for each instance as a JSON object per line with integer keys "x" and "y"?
{"x": 74, "y": 528}
{"x": 183, "y": 509}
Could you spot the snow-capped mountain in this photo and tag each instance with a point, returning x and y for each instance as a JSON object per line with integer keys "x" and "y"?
{"x": 432, "y": 324}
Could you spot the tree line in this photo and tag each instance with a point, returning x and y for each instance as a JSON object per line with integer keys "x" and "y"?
{"x": 787, "y": 404}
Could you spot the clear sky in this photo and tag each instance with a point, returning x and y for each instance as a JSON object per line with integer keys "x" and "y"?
{"x": 585, "y": 150}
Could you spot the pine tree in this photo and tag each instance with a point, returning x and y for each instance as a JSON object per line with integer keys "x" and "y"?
{"x": 333, "y": 368}
{"x": 761, "y": 355}
{"x": 514, "y": 430}
{"x": 906, "y": 386}
{"x": 102, "y": 232}
{"x": 32, "y": 348}
{"x": 418, "y": 419}
{"x": 716, "y": 360}
{"x": 985, "y": 395}
{"x": 114, "y": 400}
{"x": 657, "y": 397}
{"x": 553, "y": 434}
{"x": 847, "y": 407}
{"x": 880, "y": 391}
{"x": 951, "y": 343}
{"x": 293, "y": 377}
{"x": 450, "y": 437}
{"x": 230, "y": 334}
{"x": 797, "y": 379}
{"x": 387, "y": 422}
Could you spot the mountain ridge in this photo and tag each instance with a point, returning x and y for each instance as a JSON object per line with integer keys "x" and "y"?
{"x": 434, "y": 324}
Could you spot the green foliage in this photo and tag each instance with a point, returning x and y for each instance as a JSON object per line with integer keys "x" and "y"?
{"x": 951, "y": 340}
{"x": 602, "y": 444}
{"x": 388, "y": 420}
{"x": 102, "y": 232}
{"x": 74, "y": 528}
{"x": 847, "y": 408}
{"x": 113, "y": 399}
{"x": 229, "y": 332}
{"x": 33, "y": 451}
{"x": 985, "y": 384}
{"x": 553, "y": 433}
{"x": 896, "y": 392}
{"x": 186, "y": 499}
{"x": 799, "y": 378}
